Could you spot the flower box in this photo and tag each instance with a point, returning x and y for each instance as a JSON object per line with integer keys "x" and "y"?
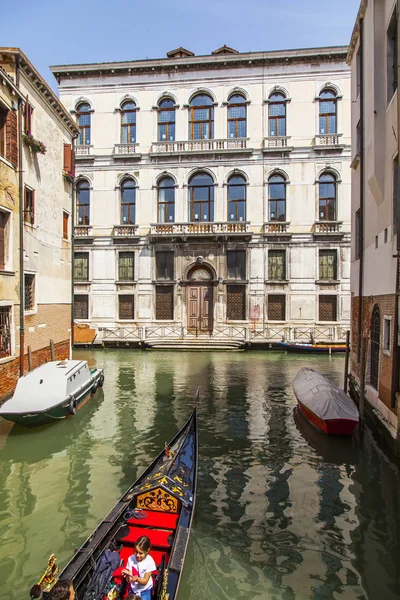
{"x": 34, "y": 144}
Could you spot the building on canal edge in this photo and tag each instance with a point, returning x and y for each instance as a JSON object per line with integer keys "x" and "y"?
{"x": 373, "y": 55}
{"x": 35, "y": 220}
{"x": 213, "y": 197}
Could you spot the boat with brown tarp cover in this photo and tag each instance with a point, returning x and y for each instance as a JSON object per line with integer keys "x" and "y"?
{"x": 158, "y": 505}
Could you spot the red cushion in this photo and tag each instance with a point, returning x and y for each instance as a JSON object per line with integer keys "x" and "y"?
{"x": 158, "y": 537}
{"x": 154, "y": 518}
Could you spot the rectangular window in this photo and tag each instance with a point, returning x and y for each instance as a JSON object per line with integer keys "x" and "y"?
{"x": 358, "y": 71}
{"x": 165, "y": 266}
{"x": 81, "y": 306}
{"x": 3, "y": 237}
{"x": 29, "y": 281}
{"x": 81, "y": 266}
{"x": 236, "y": 303}
{"x": 29, "y": 206}
{"x": 164, "y": 302}
{"x": 126, "y": 266}
{"x": 3, "y": 119}
{"x": 5, "y": 331}
{"x": 327, "y": 308}
{"x": 387, "y": 325}
{"x": 391, "y": 56}
{"x": 236, "y": 262}
{"x": 357, "y": 247}
{"x": 328, "y": 265}
{"x": 376, "y": 241}
{"x": 276, "y": 265}
{"x": 276, "y": 307}
{"x": 385, "y": 236}
{"x": 69, "y": 160}
{"x": 65, "y": 225}
{"x": 126, "y": 305}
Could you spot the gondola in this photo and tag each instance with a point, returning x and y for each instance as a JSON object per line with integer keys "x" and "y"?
{"x": 160, "y": 505}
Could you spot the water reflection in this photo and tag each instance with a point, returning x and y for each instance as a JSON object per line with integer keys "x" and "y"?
{"x": 282, "y": 512}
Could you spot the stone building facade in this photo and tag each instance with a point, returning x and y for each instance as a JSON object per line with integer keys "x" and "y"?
{"x": 373, "y": 56}
{"x": 36, "y": 175}
{"x": 213, "y": 196}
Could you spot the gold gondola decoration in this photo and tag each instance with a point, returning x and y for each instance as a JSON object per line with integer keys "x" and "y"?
{"x": 164, "y": 595}
{"x": 49, "y": 577}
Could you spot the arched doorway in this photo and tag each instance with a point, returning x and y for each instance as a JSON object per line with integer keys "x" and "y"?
{"x": 375, "y": 346}
{"x": 200, "y": 300}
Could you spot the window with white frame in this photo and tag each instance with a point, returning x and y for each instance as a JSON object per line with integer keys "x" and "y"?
{"x": 387, "y": 330}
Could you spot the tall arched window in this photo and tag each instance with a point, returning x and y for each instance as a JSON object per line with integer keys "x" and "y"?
{"x": 327, "y": 112}
{"x": 166, "y": 120}
{"x": 83, "y": 202}
{"x": 128, "y": 202}
{"x": 237, "y": 116}
{"x": 236, "y": 198}
{"x": 277, "y": 115}
{"x": 277, "y": 198}
{"x": 166, "y": 200}
{"x": 83, "y": 118}
{"x": 201, "y": 118}
{"x": 375, "y": 346}
{"x": 327, "y": 197}
{"x": 201, "y": 197}
{"x": 128, "y": 122}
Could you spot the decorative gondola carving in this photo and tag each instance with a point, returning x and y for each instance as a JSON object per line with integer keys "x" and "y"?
{"x": 158, "y": 499}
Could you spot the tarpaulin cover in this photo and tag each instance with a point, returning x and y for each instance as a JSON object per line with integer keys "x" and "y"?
{"x": 322, "y": 397}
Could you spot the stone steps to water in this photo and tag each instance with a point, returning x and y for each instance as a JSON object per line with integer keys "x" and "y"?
{"x": 194, "y": 344}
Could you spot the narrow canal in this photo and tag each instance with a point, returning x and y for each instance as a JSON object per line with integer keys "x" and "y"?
{"x": 282, "y": 512}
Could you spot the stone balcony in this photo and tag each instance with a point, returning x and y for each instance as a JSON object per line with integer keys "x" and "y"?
{"x": 203, "y": 229}
{"x": 328, "y": 229}
{"x": 84, "y": 152}
{"x": 122, "y": 151}
{"x": 276, "y": 144}
{"x": 228, "y": 145}
{"x": 277, "y": 230}
{"x": 125, "y": 231}
{"x": 325, "y": 142}
{"x": 83, "y": 234}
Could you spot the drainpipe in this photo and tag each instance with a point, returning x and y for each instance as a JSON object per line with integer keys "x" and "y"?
{"x": 362, "y": 176}
{"x": 72, "y": 250}
{"x": 21, "y": 227}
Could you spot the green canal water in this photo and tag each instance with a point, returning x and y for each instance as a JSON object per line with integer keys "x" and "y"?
{"x": 282, "y": 512}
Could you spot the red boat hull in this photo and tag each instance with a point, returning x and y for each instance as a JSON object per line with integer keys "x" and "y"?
{"x": 329, "y": 426}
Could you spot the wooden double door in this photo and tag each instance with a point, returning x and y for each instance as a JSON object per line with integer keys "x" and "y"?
{"x": 200, "y": 308}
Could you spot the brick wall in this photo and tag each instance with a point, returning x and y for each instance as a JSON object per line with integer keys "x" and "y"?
{"x": 386, "y": 306}
{"x": 9, "y": 371}
{"x": 52, "y": 321}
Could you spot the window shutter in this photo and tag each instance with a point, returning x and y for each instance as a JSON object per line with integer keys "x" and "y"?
{"x": 67, "y": 158}
{"x": 12, "y": 137}
{"x": 72, "y": 162}
{"x": 26, "y": 115}
{"x": 33, "y": 211}
{"x": 3, "y": 220}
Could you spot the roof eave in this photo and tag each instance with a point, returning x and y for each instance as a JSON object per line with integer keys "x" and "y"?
{"x": 356, "y": 30}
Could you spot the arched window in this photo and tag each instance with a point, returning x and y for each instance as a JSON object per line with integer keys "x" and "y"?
{"x": 201, "y": 118}
{"x": 375, "y": 346}
{"x": 128, "y": 122}
{"x": 237, "y": 116}
{"x": 166, "y": 200}
{"x": 83, "y": 117}
{"x": 327, "y": 197}
{"x": 201, "y": 197}
{"x": 166, "y": 120}
{"x": 327, "y": 112}
{"x": 83, "y": 202}
{"x": 128, "y": 202}
{"x": 277, "y": 198}
{"x": 236, "y": 198}
{"x": 277, "y": 115}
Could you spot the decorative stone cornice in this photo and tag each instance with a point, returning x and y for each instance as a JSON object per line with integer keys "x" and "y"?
{"x": 356, "y": 30}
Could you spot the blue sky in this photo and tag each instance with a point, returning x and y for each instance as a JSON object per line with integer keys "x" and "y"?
{"x": 51, "y": 32}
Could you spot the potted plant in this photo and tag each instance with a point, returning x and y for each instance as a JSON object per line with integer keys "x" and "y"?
{"x": 34, "y": 144}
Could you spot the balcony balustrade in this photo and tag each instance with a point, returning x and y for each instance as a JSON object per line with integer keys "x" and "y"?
{"x": 327, "y": 227}
{"x": 125, "y": 231}
{"x": 82, "y": 231}
{"x": 196, "y": 229}
{"x": 276, "y": 144}
{"x": 229, "y": 144}
{"x": 328, "y": 140}
{"x": 83, "y": 151}
{"x": 277, "y": 227}
{"x": 123, "y": 150}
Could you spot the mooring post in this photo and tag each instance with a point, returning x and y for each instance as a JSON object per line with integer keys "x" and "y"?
{"x": 346, "y": 362}
{"x": 52, "y": 353}
{"x": 29, "y": 358}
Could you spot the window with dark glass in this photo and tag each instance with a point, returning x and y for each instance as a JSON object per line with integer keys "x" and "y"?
{"x": 29, "y": 206}
{"x": 327, "y": 197}
{"x": 236, "y": 263}
{"x": 5, "y": 331}
{"x": 357, "y": 234}
{"x": 165, "y": 266}
{"x": 236, "y": 198}
{"x": 128, "y": 202}
{"x": 277, "y": 115}
{"x": 201, "y": 118}
{"x": 83, "y": 202}
{"x": 128, "y": 122}
{"x": 276, "y": 307}
{"x": 3, "y": 119}
{"x": 328, "y": 265}
{"x": 201, "y": 198}
{"x": 83, "y": 117}
{"x": 237, "y": 116}
{"x": 277, "y": 265}
{"x": 327, "y": 112}
{"x": 236, "y": 302}
{"x": 126, "y": 266}
{"x": 277, "y": 198}
{"x": 164, "y": 302}
{"x": 166, "y": 120}
{"x": 81, "y": 306}
{"x": 29, "y": 292}
{"x": 166, "y": 200}
{"x": 126, "y": 307}
{"x": 327, "y": 308}
{"x": 4, "y": 219}
{"x": 391, "y": 56}
{"x": 81, "y": 266}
